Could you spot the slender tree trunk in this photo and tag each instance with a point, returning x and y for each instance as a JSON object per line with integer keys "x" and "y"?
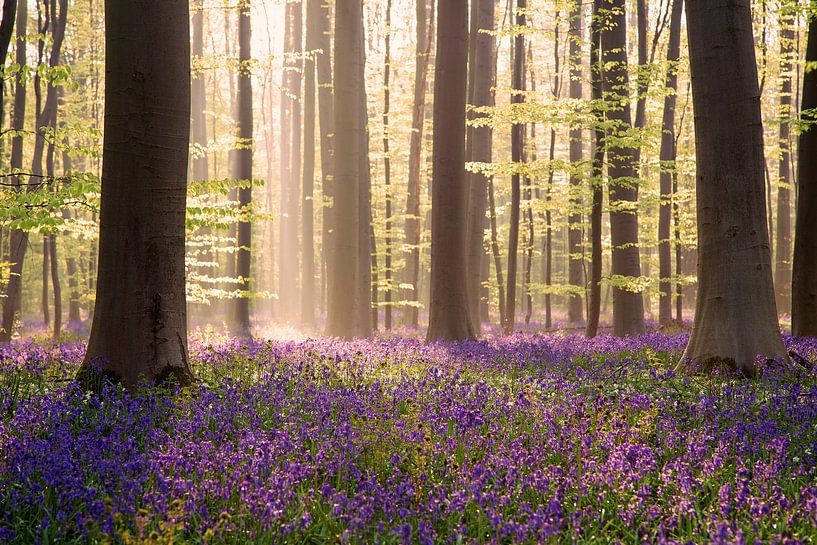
{"x": 140, "y": 318}
{"x": 387, "y": 294}
{"x": 449, "y": 317}
{"x": 291, "y": 166}
{"x": 6, "y": 32}
{"x": 307, "y": 203}
{"x": 242, "y": 170}
{"x": 46, "y": 271}
{"x": 782, "y": 272}
{"x": 55, "y": 282}
{"x": 425, "y": 25}
{"x": 367, "y": 258}
{"x": 517, "y": 146}
{"x": 628, "y": 306}
{"x": 495, "y": 251}
{"x": 18, "y": 240}
{"x": 676, "y": 218}
{"x": 198, "y": 95}
{"x": 735, "y": 315}
{"x": 804, "y": 275}
{"x": 481, "y": 144}
{"x": 574, "y": 218}
{"x": 344, "y": 275}
{"x": 597, "y": 186}
{"x": 667, "y": 158}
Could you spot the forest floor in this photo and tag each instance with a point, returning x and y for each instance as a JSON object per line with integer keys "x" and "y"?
{"x": 524, "y": 439}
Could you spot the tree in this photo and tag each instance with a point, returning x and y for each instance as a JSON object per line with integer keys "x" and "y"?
{"x": 242, "y": 171}
{"x": 597, "y": 89}
{"x": 667, "y": 158}
{"x": 140, "y": 318}
{"x": 325, "y": 115}
{"x": 804, "y": 275}
{"x": 481, "y": 76}
{"x": 198, "y": 125}
{"x": 343, "y": 275}
{"x": 290, "y": 161}
{"x": 628, "y": 304}
{"x": 9, "y": 13}
{"x": 574, "y": 219}
{"x": 735, "y": 313}
{"x": 18, "y": 239}
{"x": 782, "y": 254}
{"x": 425, "y": 26}
{"x": 517, "y": 150}
{"x": 387, "y": 169}
{"x": 313, "y": 17}
{"x": 449, "y": 318}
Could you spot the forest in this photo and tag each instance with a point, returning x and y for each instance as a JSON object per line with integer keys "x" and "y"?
{"x": 408, "y": 271}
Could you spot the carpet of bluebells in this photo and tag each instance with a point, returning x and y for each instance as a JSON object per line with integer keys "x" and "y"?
{"x": 525, "y": 439}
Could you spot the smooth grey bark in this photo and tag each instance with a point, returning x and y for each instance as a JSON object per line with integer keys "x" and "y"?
{"x": 517, "y": 149}
{"x": 366, "y": 318}
{"x": 139, "y": 330}
{"x": 574, "y": 219}
{"x": 198, "y": 99}
{"x": 449, "y": 318}
{"x": 804, "y": 274}
{"x": 387, "y": 292}
{"x": 628, "y": 306}
{"x": 307, "y": 202}
{"x": 425, "y": 25}
{"x": 783, "y": 232}
{"x": 667, "y": 156}
{"x": 344, "y": 271}
{"x": 242, "y": 170}
{"x": 482, "y": 78}
{"x": 735, "y": 314}
{"x": 325, "y": 115}
{"x": 288, "y": 300}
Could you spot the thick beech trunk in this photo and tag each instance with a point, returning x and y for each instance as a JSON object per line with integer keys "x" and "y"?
{"x": 325, "y": 114}
{"x": 344, "y": 271}
{"x": 804, "y": 275}
{"x": 307, "y": 203}
{"x": 449, "y": 317}
{"x": 628, "y": 306}
{"x": 735, "y": 314}
{"x": 140, "y": 319}
{"x": 198, "y": 126}
{"x": 387, "y": 292}
{"x": 667, "y": 157}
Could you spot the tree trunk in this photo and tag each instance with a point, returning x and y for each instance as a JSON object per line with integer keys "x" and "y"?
{"x": 291, "y": 163}
{"x": 804, "y": 275}
{"x": 55, "y": 282}
{"x": 46, "y": 271}
{"x": 597, "y": 85}
{"x": 517, "y": 146}
{"x": 449, "y": 318}
{"x": 667, "y": 158}
{"x": 18, "y": 240}
{"x": 242, "y": 170}
{"x": 140, "y": 318}
{"x": 782, "y": 271}
{"x": 307, "y": 203}
{"x": 367, "y": 259}
{"x": 425, "y": 25}
{"x": 325, "y": 114}
{"x": 574, "y": 218}
{"x": 6, "y": 32}
{"x": 344, "y": 275}
{"x": 198, "y": 125}
{"x": 735, "y": 314}
{"x": 387, "y": 293}
{"x": 483, "y": 44}
{"x": 628, "y": 306}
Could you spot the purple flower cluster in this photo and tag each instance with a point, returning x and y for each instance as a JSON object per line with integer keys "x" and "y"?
{"x": 523, "y": 439}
